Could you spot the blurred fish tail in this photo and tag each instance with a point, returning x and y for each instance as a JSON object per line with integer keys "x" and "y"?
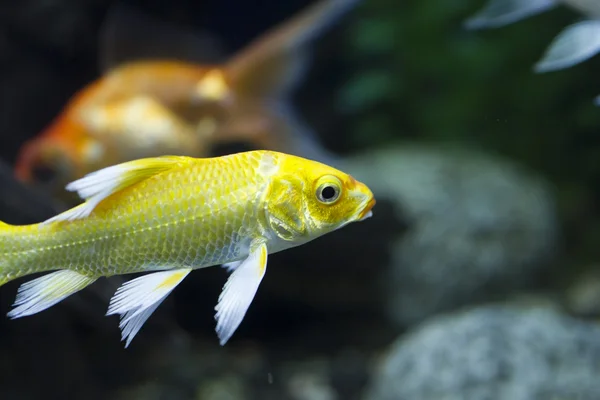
{"x": 273, "y": 64}
{"x": 270, "y": 69}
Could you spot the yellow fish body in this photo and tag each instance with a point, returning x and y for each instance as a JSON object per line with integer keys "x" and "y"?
{"x": 172, "y": 214}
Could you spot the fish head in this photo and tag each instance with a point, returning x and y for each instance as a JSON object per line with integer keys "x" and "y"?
{"x": 43, "y": 160}
{"x": 50, "y": 162}
{"x": 308, "y": 199}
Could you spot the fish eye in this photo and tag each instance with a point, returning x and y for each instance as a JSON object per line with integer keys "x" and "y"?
{"x": 328, "y": 192}
{"x": 43, "y": 173}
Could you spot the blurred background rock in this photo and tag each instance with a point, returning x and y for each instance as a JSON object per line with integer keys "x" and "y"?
{"x": 487, "y": 179}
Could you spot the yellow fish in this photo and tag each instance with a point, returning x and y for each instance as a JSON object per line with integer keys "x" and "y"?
{"x": 169, "y": 215}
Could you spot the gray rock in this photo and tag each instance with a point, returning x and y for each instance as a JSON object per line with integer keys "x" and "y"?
{"x": 582, "y": 297}
{"x": 310, "y": 380}
{"x": 493, "y": 353}
{"x": 227, "y": 388}
{"x": 477, "y": 226}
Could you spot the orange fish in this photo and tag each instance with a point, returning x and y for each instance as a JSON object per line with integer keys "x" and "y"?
{"x": 151, "y": 107}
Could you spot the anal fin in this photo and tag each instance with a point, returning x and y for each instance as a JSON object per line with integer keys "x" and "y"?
{"x": 44, "y": 292}
{"x": 137, "y": 299}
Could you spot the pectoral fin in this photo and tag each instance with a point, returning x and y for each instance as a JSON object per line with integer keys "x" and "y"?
{"x": 231, "y": 266}
{"x": 137, "y": 299}
{"x": 98, "y": 185}
{"x": 44, "y": 292}
{"x": 239, "y": 291}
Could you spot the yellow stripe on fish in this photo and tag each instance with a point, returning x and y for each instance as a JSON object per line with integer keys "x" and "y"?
{"x": 169, "y": 215}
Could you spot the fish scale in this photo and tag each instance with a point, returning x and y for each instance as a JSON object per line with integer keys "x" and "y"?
{"x": 130, "y": 236}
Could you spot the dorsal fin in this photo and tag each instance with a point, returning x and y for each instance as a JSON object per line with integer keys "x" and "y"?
{"x": 130, "y": 34}
{"x": 98, "y": 185}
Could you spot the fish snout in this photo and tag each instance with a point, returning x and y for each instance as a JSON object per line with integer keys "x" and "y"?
{"x": 367, "y": 203}
{"x": 41, "y": 162}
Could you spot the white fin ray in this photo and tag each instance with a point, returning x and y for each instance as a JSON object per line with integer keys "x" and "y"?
{"x": 576, "y": 43}
{"x": 44, "y": 292}
{"x": 98, "y": 185}
{"x": 138, "y": 298}
{"x": 239, "y": 291}
{"x": 231, "y": 266}
{"x": 132, "y": 321}
{"x": 498, "y": 13}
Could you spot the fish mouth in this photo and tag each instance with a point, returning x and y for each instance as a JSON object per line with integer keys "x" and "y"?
{"x": 367, "y": 211}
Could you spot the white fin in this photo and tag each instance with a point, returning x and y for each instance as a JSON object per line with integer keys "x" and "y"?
{"x": 498, "y": 13}
{"x": 576, "y": 43}
{"x": 132, "y": 321}
{"x": 137, "y": 299}
{"x": 239, "y": 291}
{"x": 100, "y": 184}
{"x": 44, "y": 292}
{"x": 231, "y": 266}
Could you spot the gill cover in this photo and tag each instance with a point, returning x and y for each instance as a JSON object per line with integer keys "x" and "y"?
{"x": 285, "y": 209}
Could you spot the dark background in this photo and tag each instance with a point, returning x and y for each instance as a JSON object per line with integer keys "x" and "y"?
{"x": 389, "y": 75}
